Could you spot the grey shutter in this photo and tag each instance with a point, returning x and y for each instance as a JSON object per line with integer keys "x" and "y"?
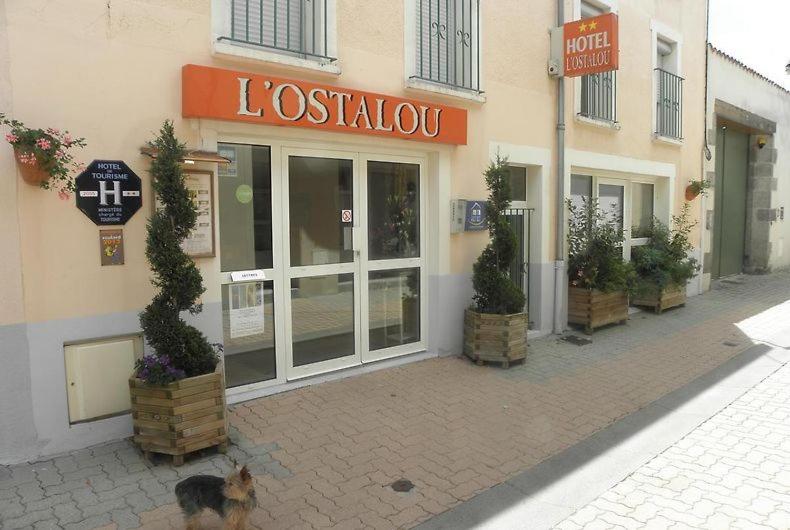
{"x": 445, "y": 41}
{"x": 273, "y": 23}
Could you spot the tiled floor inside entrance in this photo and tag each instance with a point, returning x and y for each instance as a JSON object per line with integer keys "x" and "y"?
{"x": 326, "y": 455}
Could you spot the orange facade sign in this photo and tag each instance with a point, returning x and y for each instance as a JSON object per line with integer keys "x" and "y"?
{"x": 590, "y": 45}
{"x": 254, "y": 98}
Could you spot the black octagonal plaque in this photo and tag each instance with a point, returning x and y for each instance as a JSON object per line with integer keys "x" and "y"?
{"x": 108, "y": 192}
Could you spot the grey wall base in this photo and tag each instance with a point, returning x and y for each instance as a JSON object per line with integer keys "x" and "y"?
{"x": 33, "y": 397}
{"x": 17, "y": 429}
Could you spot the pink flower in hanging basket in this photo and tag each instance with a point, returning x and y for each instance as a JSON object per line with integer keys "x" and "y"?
{"x": 63, "y": 195}
{"x": 43, "y": 143}
{"x": 11, "y": 138}
{"x": 68, "y": 140}
{"x": 27, "y": 158}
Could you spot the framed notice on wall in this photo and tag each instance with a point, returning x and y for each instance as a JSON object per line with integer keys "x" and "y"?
{"x": 200, "y": 242}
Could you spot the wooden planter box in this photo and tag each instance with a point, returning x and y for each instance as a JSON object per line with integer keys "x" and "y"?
{"x": 182, "y": 417}
{"x": 497, "y": 338}
{"x": 661, "y": 299}
{"x": 593, "y": 309}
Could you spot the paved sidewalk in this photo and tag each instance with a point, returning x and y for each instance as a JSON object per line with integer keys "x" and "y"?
{"x": 325, "y": 456}
{"x": 733, "y": 471}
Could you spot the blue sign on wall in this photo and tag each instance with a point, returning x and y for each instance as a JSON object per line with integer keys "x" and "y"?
{"x": 475, "y": 215}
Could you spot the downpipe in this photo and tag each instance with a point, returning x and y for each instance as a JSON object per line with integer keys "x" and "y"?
{"x": 560, "y": 276}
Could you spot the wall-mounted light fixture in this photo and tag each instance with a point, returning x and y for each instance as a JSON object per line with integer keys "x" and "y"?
{"x": 761, "y": 141}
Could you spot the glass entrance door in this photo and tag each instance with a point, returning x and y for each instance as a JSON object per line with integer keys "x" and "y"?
{"x": 247, "y": 252}
{"x": 392, "y": 257}
{"x": 354, "y": 259}
{"x": 322, "y": 261}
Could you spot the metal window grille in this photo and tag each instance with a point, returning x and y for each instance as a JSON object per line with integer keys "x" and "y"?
{"x": 669, "y": 104}
{"x": 599, "y": 96}
{"x": 447, "y": 43}
{"x": 293, "y": 27}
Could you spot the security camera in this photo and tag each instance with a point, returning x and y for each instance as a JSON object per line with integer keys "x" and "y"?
{"x": 554, "y": 68}
{"x": 761, "y": 141}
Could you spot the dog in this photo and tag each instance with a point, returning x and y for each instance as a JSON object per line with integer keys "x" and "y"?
{"x": 232, "y": 498}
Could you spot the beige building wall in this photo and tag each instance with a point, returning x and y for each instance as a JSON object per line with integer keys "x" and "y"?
{"x": 110, "y": 71}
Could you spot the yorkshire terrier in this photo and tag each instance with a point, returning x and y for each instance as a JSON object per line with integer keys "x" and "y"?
{"x": 232, "y": 498}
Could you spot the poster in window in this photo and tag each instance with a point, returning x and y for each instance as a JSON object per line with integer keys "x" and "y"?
{"x": 229, "y": 152}
{"x": 200, "y": 242}
{"x": 246, "y": 309}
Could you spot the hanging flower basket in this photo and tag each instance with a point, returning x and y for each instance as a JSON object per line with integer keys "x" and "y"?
{"x": 691, "y": 192}
{"x": 697, "y": 187}
{"x": 44, "y": 156}
{"x": 29, "y": 168}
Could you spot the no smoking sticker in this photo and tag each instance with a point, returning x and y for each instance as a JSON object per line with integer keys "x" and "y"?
{"x": 345, "y": 216}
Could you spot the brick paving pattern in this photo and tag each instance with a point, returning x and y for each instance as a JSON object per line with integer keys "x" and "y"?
{"x": 733, "y": 471}
{"x": 324, "y": 456}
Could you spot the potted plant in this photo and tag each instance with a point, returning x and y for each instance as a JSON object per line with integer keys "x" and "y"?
{"x": 44, "y": 156}
{"x": 697, "y": 187}
{"x": 600, "y": 280}
{"x": 663, "y": 266}
{"x": 495, "y": 328}
{"x": 177, "y": 393}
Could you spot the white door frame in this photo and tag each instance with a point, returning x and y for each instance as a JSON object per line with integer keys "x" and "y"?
{"x": 392, "y": 264}
{"x": 307, "y": 370}
{"x": 623, "y": 183}
{"x": 282, "y": 140}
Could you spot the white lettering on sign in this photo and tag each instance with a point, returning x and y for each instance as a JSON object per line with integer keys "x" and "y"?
{"x": 116, "y": 192}
{"x": 244, "y": 98}
{"x": 89, "y": 193}
{"x": 255, "y": 98}
{"x": 317, "y": 111}
{"x": 131, "y": 193}
{"x": 588, "y": 42}
{"x": 247, "y": 276}
{"x": 277, "y": 99}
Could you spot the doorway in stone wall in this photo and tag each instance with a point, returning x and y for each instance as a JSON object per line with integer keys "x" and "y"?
{"x": 729, "y": 220}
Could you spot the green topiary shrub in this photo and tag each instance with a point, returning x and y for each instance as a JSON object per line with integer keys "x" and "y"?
{"x": 664, "y": 260}
{"x": 495, "y": 291}
{"x": 595, "y": 250}
{"x": 175, "y": 274}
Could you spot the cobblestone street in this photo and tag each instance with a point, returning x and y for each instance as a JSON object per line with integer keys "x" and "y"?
{"x": 326, "y": 455}
{"x": 731, "y": 472}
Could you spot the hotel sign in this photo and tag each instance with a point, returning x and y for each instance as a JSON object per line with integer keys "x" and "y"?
{"x": 590, "y": 45}
{"x": 221, "y": 94}
{"x": 108, "y": 192}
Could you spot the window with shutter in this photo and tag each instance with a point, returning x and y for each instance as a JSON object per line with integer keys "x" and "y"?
{"x": 447, "y": 43}
{"x": 669, "y": 90}
{"x": 297, "y": 27}
{"x": 598, "y": 91}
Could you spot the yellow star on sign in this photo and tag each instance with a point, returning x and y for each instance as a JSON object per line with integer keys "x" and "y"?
{"x": 582, "y": 27}
{"x": 593, "y": 25}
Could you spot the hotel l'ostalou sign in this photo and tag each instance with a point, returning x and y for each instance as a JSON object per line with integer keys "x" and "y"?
{"x": 254, "y": 98}
{"x": 590, "y": 45}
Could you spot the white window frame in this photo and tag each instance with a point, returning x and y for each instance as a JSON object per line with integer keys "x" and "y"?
{"x": 221, "y": 26}
{"x": 639, "y": 241}
{"x": 601, "y": 177}
{"x": 664, "y": 32}
{"x": 605, "y": 6}
{"x": 410, "y": 58}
